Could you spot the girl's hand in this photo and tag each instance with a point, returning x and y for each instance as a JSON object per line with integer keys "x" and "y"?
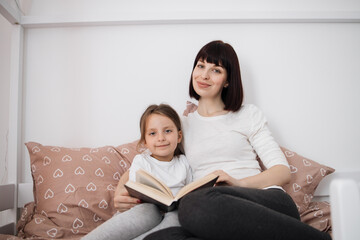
{"x": 123, "y": 201}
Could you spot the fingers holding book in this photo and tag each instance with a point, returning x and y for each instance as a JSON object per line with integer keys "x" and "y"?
{"x": 225, "y": 179}
{"x": 123, "y": 201}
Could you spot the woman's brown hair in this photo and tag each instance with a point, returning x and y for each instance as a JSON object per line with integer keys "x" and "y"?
{"x": 223, "y": 54}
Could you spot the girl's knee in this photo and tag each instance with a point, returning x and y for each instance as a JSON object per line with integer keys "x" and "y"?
{"x": 147, "y": 211}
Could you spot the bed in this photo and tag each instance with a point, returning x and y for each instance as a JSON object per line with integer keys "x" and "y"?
{"x": 318, "y": 193}
{"x": 67, "y": 207}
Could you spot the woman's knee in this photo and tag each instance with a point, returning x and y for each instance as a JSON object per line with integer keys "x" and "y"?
{"x": 196, "y": 205}
{"x": 198, "y": 199}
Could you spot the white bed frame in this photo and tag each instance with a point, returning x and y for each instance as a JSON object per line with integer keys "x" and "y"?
{"x": 342, "y": 189}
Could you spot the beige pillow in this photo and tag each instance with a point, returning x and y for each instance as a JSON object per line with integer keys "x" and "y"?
{"x": 74, "y": 187}
{"x": 318, "y": 216}
{"x": 306, "y": 175}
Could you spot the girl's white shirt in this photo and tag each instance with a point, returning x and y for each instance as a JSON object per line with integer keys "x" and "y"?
{"x": 230, "y": 142}
{"x": 175, "y": 174}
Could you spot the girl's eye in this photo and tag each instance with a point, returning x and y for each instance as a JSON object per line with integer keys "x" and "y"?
{"x": 152, "y": 133}
{"x": 168, "y": 131}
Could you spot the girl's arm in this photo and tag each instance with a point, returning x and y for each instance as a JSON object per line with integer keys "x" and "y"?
{"x": 122, "y": 199}
{"x": 277, "y": 175}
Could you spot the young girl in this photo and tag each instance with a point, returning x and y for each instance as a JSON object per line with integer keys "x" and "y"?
{"x": 161, "y": 134}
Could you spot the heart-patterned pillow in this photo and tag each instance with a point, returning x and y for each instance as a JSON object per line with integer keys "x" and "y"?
{"x": 306, "y": 175}
{"x": 73, "y": 188}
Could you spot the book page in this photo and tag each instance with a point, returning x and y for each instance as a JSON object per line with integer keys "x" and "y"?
{"x": 207, "y": 181}
{"x": 147, "y": 179}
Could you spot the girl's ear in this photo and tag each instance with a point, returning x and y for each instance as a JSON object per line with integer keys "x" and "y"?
{"x": 179, "y": 136}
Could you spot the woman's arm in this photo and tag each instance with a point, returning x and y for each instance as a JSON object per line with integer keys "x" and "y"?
{"x": 122, "y": 199}
{"x": 277, "y": 175}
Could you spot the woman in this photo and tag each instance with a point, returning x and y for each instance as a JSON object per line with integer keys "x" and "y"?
{"x": 224, "y": 136}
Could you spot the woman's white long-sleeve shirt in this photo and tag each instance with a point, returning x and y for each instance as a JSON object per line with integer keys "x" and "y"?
{"x": 230, "y": 142}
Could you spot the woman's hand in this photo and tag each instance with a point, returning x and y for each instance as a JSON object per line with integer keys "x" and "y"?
{"x": 122, "y": 199}
{"x": 277, "y": 175}
{"x": 226, "y": 179}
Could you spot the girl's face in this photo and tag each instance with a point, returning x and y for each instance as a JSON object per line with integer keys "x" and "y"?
{"x": 161, "y": 137}
{"x": 208, "y": 79}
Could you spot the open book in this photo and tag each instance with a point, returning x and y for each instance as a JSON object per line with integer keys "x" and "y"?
{"x": 150, "y": 189}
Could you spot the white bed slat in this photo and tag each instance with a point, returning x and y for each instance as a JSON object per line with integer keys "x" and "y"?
{"x": 25, "y": 194}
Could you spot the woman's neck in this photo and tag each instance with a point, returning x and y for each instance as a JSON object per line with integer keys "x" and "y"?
{"x": 211, "y": 107}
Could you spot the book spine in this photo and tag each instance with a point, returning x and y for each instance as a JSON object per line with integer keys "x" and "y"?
{"x": 148, "y": 199}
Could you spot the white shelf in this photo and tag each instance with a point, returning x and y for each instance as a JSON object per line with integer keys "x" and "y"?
{"x": 140, "y": 18}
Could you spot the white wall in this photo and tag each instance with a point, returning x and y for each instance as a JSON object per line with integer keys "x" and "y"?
{"x": 87, "y": 86}
{"x": 5, "y": 36}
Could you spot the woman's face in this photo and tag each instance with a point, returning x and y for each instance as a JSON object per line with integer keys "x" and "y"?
{"x": 208, "y": 79}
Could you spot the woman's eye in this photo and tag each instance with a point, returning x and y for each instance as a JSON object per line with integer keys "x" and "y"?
{"x": 200, "y": 66}
{"x": 217, "y": 71}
